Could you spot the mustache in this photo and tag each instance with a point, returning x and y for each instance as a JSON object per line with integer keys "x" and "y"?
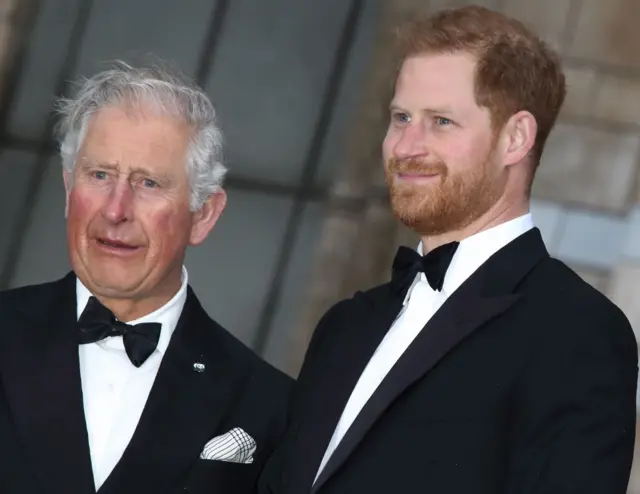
{"x": 413, "y": 165}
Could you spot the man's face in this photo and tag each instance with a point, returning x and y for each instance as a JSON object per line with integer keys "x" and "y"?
{"x": 128, "y": 216}
{"x": 439, "y": 150}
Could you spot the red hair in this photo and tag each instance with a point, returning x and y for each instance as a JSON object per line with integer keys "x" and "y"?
{"x": 515, "y": 69}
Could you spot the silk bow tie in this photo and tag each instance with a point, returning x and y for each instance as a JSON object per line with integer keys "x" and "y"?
{"x": 408, "y": 263}
{"x": 97, "y": 323}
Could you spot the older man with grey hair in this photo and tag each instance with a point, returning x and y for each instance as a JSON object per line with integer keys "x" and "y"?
{"x": 114, "y": 379}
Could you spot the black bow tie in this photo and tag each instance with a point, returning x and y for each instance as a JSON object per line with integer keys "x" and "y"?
{"x": 97, "y": 323}
{"x": 408, "y": 263}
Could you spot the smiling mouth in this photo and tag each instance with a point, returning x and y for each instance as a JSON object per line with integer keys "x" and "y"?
{"x": 416, "y": 176}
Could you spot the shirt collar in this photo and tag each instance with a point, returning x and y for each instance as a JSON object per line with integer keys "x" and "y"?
{"x": 167, "y": 315}
{"x": 475, "y": 250}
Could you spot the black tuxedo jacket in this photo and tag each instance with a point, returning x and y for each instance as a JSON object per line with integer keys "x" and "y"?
{"x": 43, "y": 438}
{"x": 522, "y": 383}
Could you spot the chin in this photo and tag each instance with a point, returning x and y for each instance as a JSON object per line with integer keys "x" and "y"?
{"x": 118, "y": 291}
{"x": 409, "y": 207}
{"x": 111, "y": 283}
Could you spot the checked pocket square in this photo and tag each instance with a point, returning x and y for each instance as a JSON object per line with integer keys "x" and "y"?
{"x": 236, "y": 446}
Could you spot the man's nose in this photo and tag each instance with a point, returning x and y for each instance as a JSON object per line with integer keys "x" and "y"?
{"x": 119, "y": 204}
{"x": 412, "y": 143}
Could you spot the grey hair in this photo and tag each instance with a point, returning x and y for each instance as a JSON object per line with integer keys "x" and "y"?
{"x": 167, "y": 91}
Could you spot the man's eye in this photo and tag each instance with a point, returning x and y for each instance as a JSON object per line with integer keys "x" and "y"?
{"x": 401, "y": 117}
{"x": 443, "y": 121}
{"x": 150, "y": 184}
{"x": 100, "y": 175}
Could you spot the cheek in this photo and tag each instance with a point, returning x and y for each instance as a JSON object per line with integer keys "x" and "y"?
{"x": 482, "y": 146}
{"x": 81, "y": 210}
{"x": 387, "y": 146}
{"x": 463, "y": 155}
{"x": 168, "y": 228}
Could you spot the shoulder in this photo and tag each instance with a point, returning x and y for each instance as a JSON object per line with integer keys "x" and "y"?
{"x": 341, "y": 316}
{"x": 553, "y": 282}
{"x": 358, "y": 304}
{"x": 37, "y": 295}
{"x": 27, "y": 292}
{"x": 569, "y": 308}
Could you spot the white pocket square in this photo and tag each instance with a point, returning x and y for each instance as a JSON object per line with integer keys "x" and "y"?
{"x": 236, "y": 446}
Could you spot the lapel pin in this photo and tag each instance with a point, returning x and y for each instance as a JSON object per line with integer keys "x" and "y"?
{"x": 198, "y": 367}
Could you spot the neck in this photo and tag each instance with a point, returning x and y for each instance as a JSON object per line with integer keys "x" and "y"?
{"x": 128, "y": 309}
{"x": 500, "y": 213}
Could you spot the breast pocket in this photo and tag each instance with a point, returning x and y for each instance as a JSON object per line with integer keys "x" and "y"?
{"x": 208, "y": 476}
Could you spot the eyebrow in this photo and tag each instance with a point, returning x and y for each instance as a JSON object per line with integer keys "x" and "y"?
{"x": 432, "y": 111}
{"x": 87, "y": 163}
{"x": 134, "y": 170}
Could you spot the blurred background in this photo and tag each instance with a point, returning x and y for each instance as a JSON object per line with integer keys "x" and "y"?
{"x": 301, "y": 87}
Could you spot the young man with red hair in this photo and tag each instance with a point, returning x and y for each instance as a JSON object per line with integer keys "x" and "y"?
{"x": 485, "y": 366}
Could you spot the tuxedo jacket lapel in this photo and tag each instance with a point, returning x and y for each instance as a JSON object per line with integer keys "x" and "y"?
{"x": 184, "y": 408}
{"x": 41, "y": 377}
{"x": 333, "y": 388}
{"x": 485, "y": 295}
{"x": 443, "y": 332}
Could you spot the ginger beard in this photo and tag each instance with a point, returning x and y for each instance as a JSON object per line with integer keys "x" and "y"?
{"x": 448, "y": 202}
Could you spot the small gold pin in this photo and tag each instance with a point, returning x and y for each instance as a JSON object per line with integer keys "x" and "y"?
{"x": 198, "y": 367}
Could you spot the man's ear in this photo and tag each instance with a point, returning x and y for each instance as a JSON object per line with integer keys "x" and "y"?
{"x": 207, "y": 216}
{"x": 518, "y": 137}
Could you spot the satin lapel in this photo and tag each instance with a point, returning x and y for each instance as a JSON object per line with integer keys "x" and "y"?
{"x": 487, "y": 294}
{"x": 41, "y": 377}
{"x": 354, "y": 338}
{"x": 184, "y": 408}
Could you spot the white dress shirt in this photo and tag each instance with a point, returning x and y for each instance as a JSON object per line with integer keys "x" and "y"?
{"x": 115, "y": 391}
{"x": 420, "y": 304}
